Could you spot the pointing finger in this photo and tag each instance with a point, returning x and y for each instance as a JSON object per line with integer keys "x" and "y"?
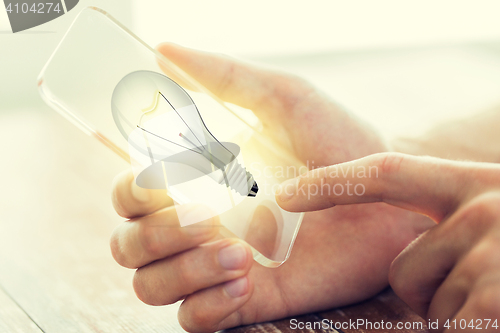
{"x": 431, "y": 186}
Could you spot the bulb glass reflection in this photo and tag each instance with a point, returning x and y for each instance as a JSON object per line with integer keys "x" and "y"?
{"x": 171, "y": 148}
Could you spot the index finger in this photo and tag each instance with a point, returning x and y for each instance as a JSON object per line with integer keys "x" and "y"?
{"x": 431, "y": 186}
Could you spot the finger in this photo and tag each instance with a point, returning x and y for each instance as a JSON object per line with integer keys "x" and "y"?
{"x": 471, "y": 275}
{"x": 481, "y": 309}
{"x": 215, "y": 308}
{"x": 130, "y": 200}
{"x": 166, "y": 281}
{"x": 447, "y": 301}
{"x": 416, "y": 282}
{"x": 234, "y": 81}
{"x": 430, "y": 186}
{"x": 138, "y": 242}
{"x": 417, "y": 274}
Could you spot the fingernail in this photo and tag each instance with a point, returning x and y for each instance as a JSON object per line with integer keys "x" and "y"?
{"x": 287, "y": 189}
{"x": 233, "y": 257}
{"x": 140, "y": 194}
{"x": 237, "y": 288}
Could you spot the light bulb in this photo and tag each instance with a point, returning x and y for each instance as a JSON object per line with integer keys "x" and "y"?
{"x": 171, "y": 148}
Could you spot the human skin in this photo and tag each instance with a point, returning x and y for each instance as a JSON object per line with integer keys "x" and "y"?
{"x": 473, "y": 139}
{"x": 341, "y": 255}
{"x": 450, "y": 272}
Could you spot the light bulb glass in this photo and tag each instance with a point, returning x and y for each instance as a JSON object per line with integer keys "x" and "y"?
{"x": 199, "y": 149}
{"x": 171, "y": 148}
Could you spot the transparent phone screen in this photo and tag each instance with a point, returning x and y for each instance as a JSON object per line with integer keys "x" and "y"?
{"x": 202, "y": 151}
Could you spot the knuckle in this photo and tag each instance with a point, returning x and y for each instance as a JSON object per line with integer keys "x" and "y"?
{"x": 456, "y": 283}
{"x": 184, "y": 271}
{"x": 483, "y": 251}
{"x": 293, "y": 83}
{"x": 398, "y": 277}
{"x": 150, "y": 288}
{"x": 390, "y": 163}
{"x": 114, "y": 244}
{"x": 486, "y": 301}
{"x": 394, "y": 272}
{"x": 325, "y": 176}
{"x": 479, "y": 215}
{"x": 396, "y": 269}
{"x": 196, "y": 321}
{"x": 140, "y": 287}
{"x": 117, "y": 250}
{"x": 399, "y": 287}
{"x": 484, "y": 207}
{"x": 483, "y": 256}
{"x": 149, "y": 240}
{"x": 118, "y": 194}
{"x": 291, "y": 91}
{"x": 117, "y": 204}
{"x": 228, "y": 78}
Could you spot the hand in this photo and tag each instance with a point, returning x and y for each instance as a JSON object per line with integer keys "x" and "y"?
{"x": 340, "y": 256}
{"x": 452, "y": 271}
{"x": 472, "y": 139}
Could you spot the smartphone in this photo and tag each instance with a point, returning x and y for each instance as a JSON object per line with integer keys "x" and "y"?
{"x": 82, "y": 80}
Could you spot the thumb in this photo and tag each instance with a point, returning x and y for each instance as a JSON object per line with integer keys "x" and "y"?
{"x": 229, "y": 79}
{"x": 430, "y": 186}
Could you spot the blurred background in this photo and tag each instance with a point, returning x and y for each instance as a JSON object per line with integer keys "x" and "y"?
{"x": 395, "y": 63}
{"x": 403, "y": 66}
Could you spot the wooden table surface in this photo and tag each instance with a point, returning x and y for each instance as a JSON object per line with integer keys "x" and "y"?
{"x": 56, "y": 270}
